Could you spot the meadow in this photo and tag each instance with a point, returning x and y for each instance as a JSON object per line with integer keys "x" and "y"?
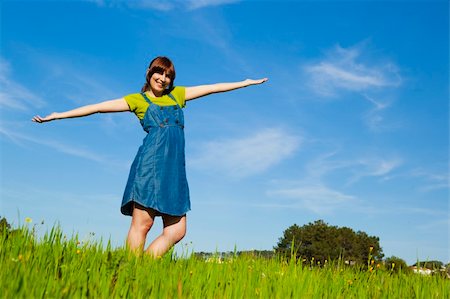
{"x": 55, "y": 266}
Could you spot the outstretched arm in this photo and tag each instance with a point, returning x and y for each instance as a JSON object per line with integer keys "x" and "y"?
{"x": 196, "y": 92}
{"x": 117, "y": 105}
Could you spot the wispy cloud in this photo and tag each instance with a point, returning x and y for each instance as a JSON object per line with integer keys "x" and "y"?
{"x": 314, "y": 197}
{"x": 374, "y": 167}
{"x": 196, "y": 4}
{"x": 217, "y": 34}
{"x": 164, "y": 5}
{"x": 14, "y": 95}
{"x": 60, "y": 147}
{"x": 81, "y": 84}
{"x": 344, "y": 70}
{"x": 425, "y": 180}
{"x": 67, "y": 84}
{"x": 435, "y": 224}
{"x": 358, "y": 168}
{"x": 374, "y": 118}
{"x": 241, "y": 157}
{"x": 312, "y": 191}
{"x": 210, "y": 28}
{"x": 432, "y": 181}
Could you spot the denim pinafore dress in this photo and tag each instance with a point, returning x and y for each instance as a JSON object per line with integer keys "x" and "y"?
{"x": 157, "y": 178}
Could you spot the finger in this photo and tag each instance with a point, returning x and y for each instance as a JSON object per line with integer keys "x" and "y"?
{"x": 262, "y": 80}
{"x": 37, "y": 118}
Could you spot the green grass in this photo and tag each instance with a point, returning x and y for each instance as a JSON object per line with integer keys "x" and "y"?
{"x": 56, "y": 267}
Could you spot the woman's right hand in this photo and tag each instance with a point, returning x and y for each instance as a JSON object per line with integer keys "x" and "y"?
{"x": 50, "y": 117}
{"x": 117, "y": 105}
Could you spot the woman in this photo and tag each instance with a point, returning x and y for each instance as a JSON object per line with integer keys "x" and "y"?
{"x": 157, "y": 184}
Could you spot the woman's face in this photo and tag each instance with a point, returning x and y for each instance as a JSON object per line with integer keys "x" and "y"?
{"x": 159, "y": 82}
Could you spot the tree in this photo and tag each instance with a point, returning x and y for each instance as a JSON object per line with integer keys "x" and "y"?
{"x": 4, "y": 226}
{"x": 396, "y": 264}
{"x": 322, "y": 242}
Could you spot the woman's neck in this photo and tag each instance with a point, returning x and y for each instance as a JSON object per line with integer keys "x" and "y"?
{"x": 155, "y": 94}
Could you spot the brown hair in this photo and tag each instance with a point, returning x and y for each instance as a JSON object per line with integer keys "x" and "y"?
{"x": 159, "y": 65}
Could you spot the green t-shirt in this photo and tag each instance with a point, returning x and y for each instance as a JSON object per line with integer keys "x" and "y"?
{"x": 139, "y": 105}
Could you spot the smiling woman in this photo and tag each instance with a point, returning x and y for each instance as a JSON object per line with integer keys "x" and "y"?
{"x": 157, "y": 184}
{"x": 160, "y": 74}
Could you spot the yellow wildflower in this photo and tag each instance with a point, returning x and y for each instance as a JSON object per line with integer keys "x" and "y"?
{"x": 28, "y": 220}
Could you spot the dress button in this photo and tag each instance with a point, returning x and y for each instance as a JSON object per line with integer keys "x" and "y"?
{"x": 161, "y": 125}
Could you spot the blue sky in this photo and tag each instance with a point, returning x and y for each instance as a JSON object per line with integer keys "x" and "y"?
{"x": 351, "y": 128}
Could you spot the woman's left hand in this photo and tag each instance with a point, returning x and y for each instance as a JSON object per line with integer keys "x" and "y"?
{"x": 254, "y": 82}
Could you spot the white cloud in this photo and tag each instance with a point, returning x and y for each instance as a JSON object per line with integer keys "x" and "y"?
{"x": 350, "y": 70}
{"x": 315, "y": 197}
{"x": 14, "y": 95}
{"x": 312, "y": 191}
{"x": 374, "y": 167}
{"x": 247, "y": 156}
{"x": 374, "y": 118}
{"x": 359, "y": 167}
{"x": 379, "y": 105}
{"x": 342, "y": 71}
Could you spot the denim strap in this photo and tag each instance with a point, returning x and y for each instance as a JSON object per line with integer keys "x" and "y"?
{"x": 146, "y": 98}
{"x": 173, "y": 98}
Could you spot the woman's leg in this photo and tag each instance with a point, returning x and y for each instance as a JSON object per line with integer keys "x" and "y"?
{"x": 174, "y": 230}
{"x": 141, "y": 222}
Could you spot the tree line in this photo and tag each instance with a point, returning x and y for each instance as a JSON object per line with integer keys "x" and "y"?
{"x": 315, "y": 243}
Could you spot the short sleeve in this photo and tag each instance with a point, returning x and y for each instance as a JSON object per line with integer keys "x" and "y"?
{"x": 179, "y": 92}
{"x": 137, "y": 104}
{"x": 131, "y": 101}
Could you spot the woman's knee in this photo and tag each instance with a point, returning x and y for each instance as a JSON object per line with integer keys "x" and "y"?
{"x": 179, "y": 234}
{"x": 142, "y": 220}
{"x": 176, "y": 230}
{"x": 175, "y": 235}
{"x": 141, "y": 226}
